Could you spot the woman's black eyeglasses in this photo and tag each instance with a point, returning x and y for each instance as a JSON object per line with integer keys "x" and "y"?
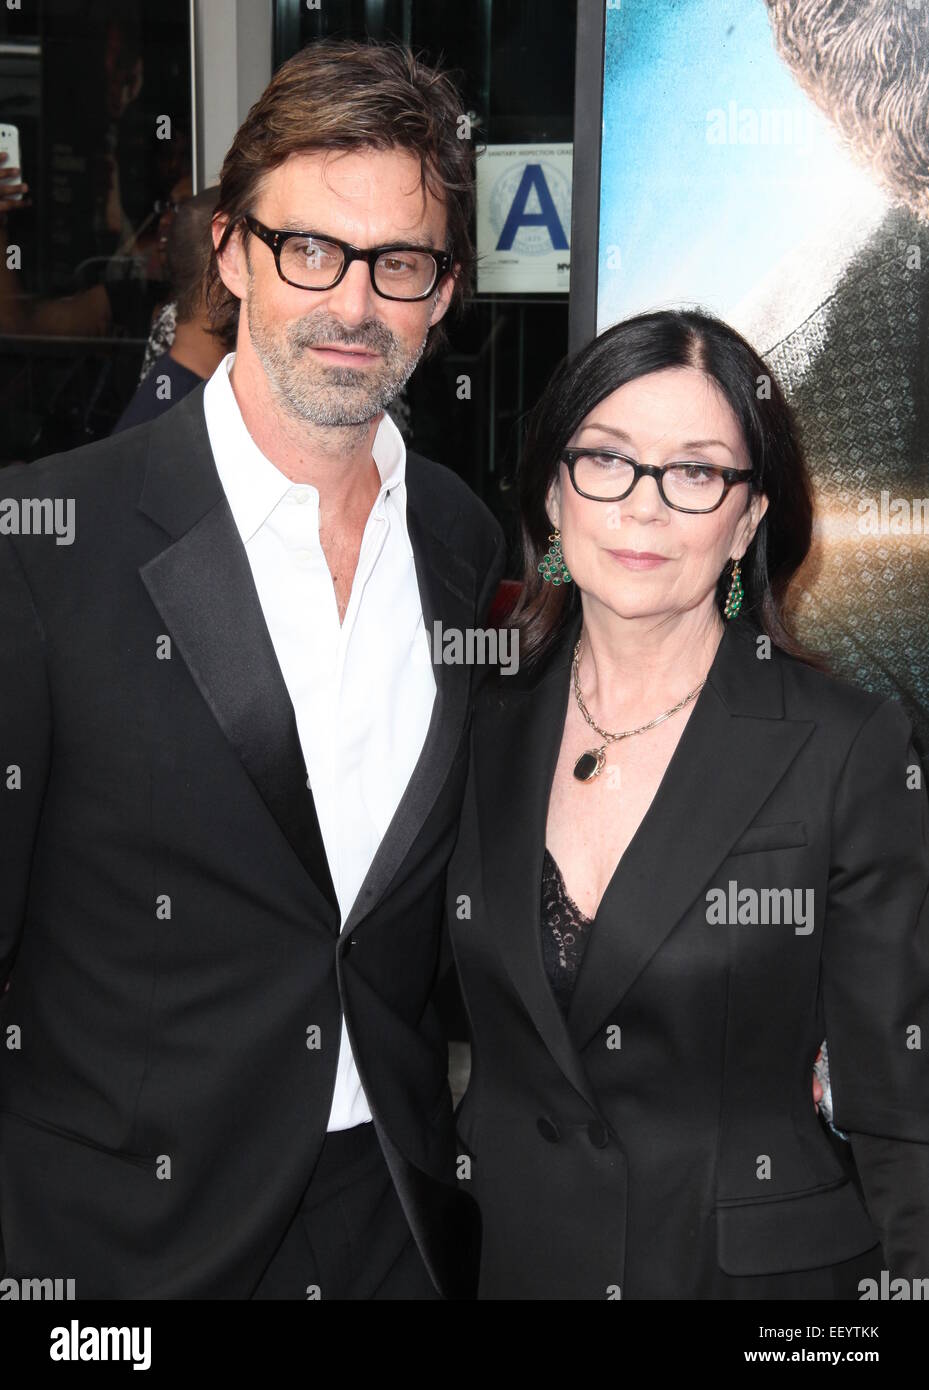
{"x": 603, "y": 475}
{"x": 316, "y": 261}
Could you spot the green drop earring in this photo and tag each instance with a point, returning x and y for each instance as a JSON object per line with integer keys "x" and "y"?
{"x": 552, "y": 566}
{"x": 736, "y": 593}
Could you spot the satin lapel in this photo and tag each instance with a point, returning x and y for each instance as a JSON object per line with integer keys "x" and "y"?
{"x": 203, "y": 588}
{"x": 515, "y": 760}
{"x": 447, "y": 586}
{"x": 734, "y": 750}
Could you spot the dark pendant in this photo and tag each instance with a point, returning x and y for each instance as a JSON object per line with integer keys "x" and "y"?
{"x": 589, "y": 765}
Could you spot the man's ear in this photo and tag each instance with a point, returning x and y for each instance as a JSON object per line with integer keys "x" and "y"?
{"x": 231, "y": 262}
{"x": 442, "y": 296}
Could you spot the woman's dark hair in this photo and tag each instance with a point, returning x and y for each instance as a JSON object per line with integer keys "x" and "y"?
{"x": 631, "y": 349}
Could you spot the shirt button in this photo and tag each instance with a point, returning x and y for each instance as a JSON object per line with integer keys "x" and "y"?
{"x": 300, "y": 495}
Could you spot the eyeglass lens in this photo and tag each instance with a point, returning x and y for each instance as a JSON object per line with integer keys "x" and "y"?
{"x": 317, "y": 264}
{"x": 689, "y": 485}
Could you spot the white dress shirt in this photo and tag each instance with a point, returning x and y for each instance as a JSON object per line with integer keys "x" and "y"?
{"x": 362, "y": 690}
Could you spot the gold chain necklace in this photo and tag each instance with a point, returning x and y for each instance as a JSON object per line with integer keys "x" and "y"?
{"x": 590, "y": 764}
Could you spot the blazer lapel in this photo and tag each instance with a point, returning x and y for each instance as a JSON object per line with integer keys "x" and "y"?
{"x": 514, "y": 769}
{"x": 203, "y": 588}
{"x": 447, "y": 586}
{"x": 733, "y": 751}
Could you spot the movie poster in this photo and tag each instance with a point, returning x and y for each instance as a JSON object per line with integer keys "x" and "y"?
{"x": 768, "y": 160}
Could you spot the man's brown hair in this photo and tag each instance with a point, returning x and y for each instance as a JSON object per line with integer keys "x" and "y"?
{"x": 338, "y": 94}
{"x": 188, "y": 261}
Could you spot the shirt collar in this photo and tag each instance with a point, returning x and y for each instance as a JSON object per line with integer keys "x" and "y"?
{"x": 252, "y": 484}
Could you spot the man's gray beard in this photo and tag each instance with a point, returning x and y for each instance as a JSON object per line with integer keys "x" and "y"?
{"x": 321, "y": 395}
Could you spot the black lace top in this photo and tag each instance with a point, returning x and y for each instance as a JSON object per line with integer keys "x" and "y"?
{"x": 565, "y": 931}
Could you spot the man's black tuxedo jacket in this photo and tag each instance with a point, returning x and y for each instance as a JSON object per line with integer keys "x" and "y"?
{"x": 661, "y": 1140}
{"x": 169, "y": 924}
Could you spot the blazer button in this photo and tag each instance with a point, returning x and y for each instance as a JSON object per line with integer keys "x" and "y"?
{"x": 548, "y": 1129}
{"x": 597, "y": 1134}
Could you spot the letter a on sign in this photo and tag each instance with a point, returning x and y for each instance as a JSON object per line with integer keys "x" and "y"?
{"x": 533, "y": 180}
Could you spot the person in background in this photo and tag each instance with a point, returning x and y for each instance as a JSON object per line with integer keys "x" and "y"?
{"x": 164, "y": 319}
{"x": 87, "y": 313}
{"x": 111, "y": 307}
{"x": 199, "y": 344}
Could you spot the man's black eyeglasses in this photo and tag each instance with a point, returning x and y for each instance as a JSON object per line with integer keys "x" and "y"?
{"x": 603, "y": 475}
{"x": 317, "y": 261}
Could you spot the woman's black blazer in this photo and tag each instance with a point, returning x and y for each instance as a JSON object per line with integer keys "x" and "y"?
{"x": 661, "y": 1140}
